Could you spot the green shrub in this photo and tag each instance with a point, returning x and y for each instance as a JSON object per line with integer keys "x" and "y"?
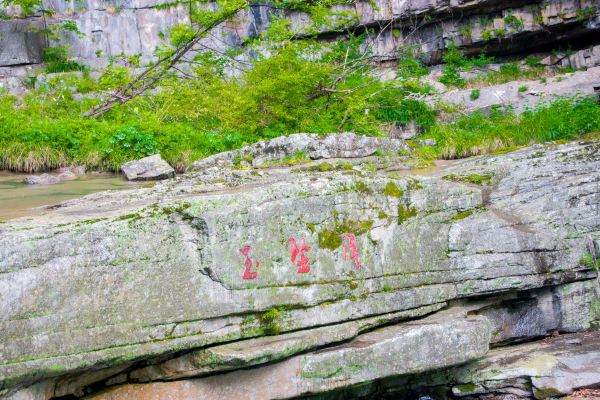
{"x": 533, "y": 62}
{"x": 478, "y": 133}
{"x": 188, "y": 119}
{"x": 475, "y": 93}
{"x": 130, "y": 143}
{"x": 57, "y": 60}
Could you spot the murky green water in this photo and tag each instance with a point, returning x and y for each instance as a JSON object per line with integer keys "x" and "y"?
{"x": 18, "y": 199}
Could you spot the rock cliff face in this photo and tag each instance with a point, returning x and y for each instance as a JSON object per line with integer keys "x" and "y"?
{"x": 135, "y": 27}
{"x": 271, "y": 281}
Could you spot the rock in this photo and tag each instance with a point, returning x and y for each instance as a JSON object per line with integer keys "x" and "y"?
{"x": 438, "y": 341}
{"x": 472, "y": 25}
{"x": 427, "y": 142}
{"x": 580, "y": 83}
{"x": 21, "y": 41}
{"x": 264, "y": 349}
{"x": 42, "y": 179}
{"x": 553, "y": 368}
{"x": 148, "y": 169}
{"x": 221, "y": 255}
{"x": 314, "y": 147}
{"x": 71, "y": 173}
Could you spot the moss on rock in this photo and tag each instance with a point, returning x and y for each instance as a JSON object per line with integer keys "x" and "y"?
{"x": 392, "y": 190}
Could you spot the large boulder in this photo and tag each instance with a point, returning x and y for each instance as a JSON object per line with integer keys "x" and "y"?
{"x": 148, "y": 169}
{"x": 221, "y": 254}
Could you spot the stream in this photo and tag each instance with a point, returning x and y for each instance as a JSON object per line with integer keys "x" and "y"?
{"x": 19, "y": 200}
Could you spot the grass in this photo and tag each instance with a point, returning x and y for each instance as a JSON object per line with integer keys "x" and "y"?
{"x": 478, "y": 133}
{"x": 194, "y": 118}
{"x": 212, "y": 112}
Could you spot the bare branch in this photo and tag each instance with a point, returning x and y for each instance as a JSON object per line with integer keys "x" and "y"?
{"x": 153, "y": 74}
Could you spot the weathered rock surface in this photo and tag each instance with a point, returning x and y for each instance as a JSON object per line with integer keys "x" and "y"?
{"x": 60, "y": 175}
{"x": 553, "y": 368}
{"x": 148, "y": 169}
{"x": 511, "y": 95}
{"x": 217, "y": 255}
{"x": 42, "y": 179}
{"x": 135, "y": 27}
{"x": 312, "y": 146}
{"x": 401, "y": 349}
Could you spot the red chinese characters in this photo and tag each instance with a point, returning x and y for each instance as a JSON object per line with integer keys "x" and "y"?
{"x": 298, "y": 255}
{"x": 350, "y": 250}
{"x": 248, "y": 274}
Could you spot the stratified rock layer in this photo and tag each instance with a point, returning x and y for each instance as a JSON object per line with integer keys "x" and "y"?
{"x": 225, "y": 254}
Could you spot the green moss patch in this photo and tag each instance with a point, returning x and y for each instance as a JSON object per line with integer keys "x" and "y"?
{"x": 270, "y": 321}
{"x": 392, "y": 190}
{"x": 332, "y": 238}
{"x": 475, "y": 178}
{"x": 405, "y": 213}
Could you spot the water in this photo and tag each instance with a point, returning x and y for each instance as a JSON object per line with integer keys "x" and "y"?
{"x": 19, "y": 200}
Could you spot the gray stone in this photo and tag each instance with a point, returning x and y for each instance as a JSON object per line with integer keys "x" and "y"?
{"x": 21, "y": 42}
{"x": 42, "y": 179}
{"x": 144, "y": 274}
{"x": 314, "y": 147}
{"x": 147, "y": 169}
{"x": 466, "y": 23}
{"x": 438, "y": 342}
{"x": 508, "y": 95}
{"x": 552, "y": 368}
{"x": 264, "y": 349}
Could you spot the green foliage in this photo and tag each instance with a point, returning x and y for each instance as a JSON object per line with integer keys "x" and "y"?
{"x": 510, "y": 72}
{"x": 586, "y": 13}
{"x": 455, "y": 61}
{"x": 405, "y": 213}
{"x": 409, "y": 66}
{"x": 475, "y": 93}
{"x": 513, "y": 22}
{"x": 392, "y": 190}
{"x": 589, "y": 261}
{"x": 113, "y": 76}
{"x": 451, "y": 77}
{"x": 332, "y": 238}
{"x": 129, "y": 143}
{"x": 478, "y": 133}
{"x": 533, "y": 62}
{"x": 475, "y": 178}
{"x": 181, "y": 34}
{"x": 522, "y": 89}
{"x": 28, "y": 7}
{"x": 57, "y": 60}
{"x": 287, "y": 92}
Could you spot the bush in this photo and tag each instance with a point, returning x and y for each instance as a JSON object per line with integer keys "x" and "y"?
{"x": 478, "y": 133}
{"x": 287, "y": 92}
{"x": 57, "y": 60}
{"x": 130, "y": 143}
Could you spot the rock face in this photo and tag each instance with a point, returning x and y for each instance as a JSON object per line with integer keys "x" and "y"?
{"x": 148, "y": 169}
{"x": 111, "y": 289}
{"x": 60, "y": 175}
{"x": 520, "y": 96}
{"x": 137, "y": 27}
{"x": 311, "y": 146}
